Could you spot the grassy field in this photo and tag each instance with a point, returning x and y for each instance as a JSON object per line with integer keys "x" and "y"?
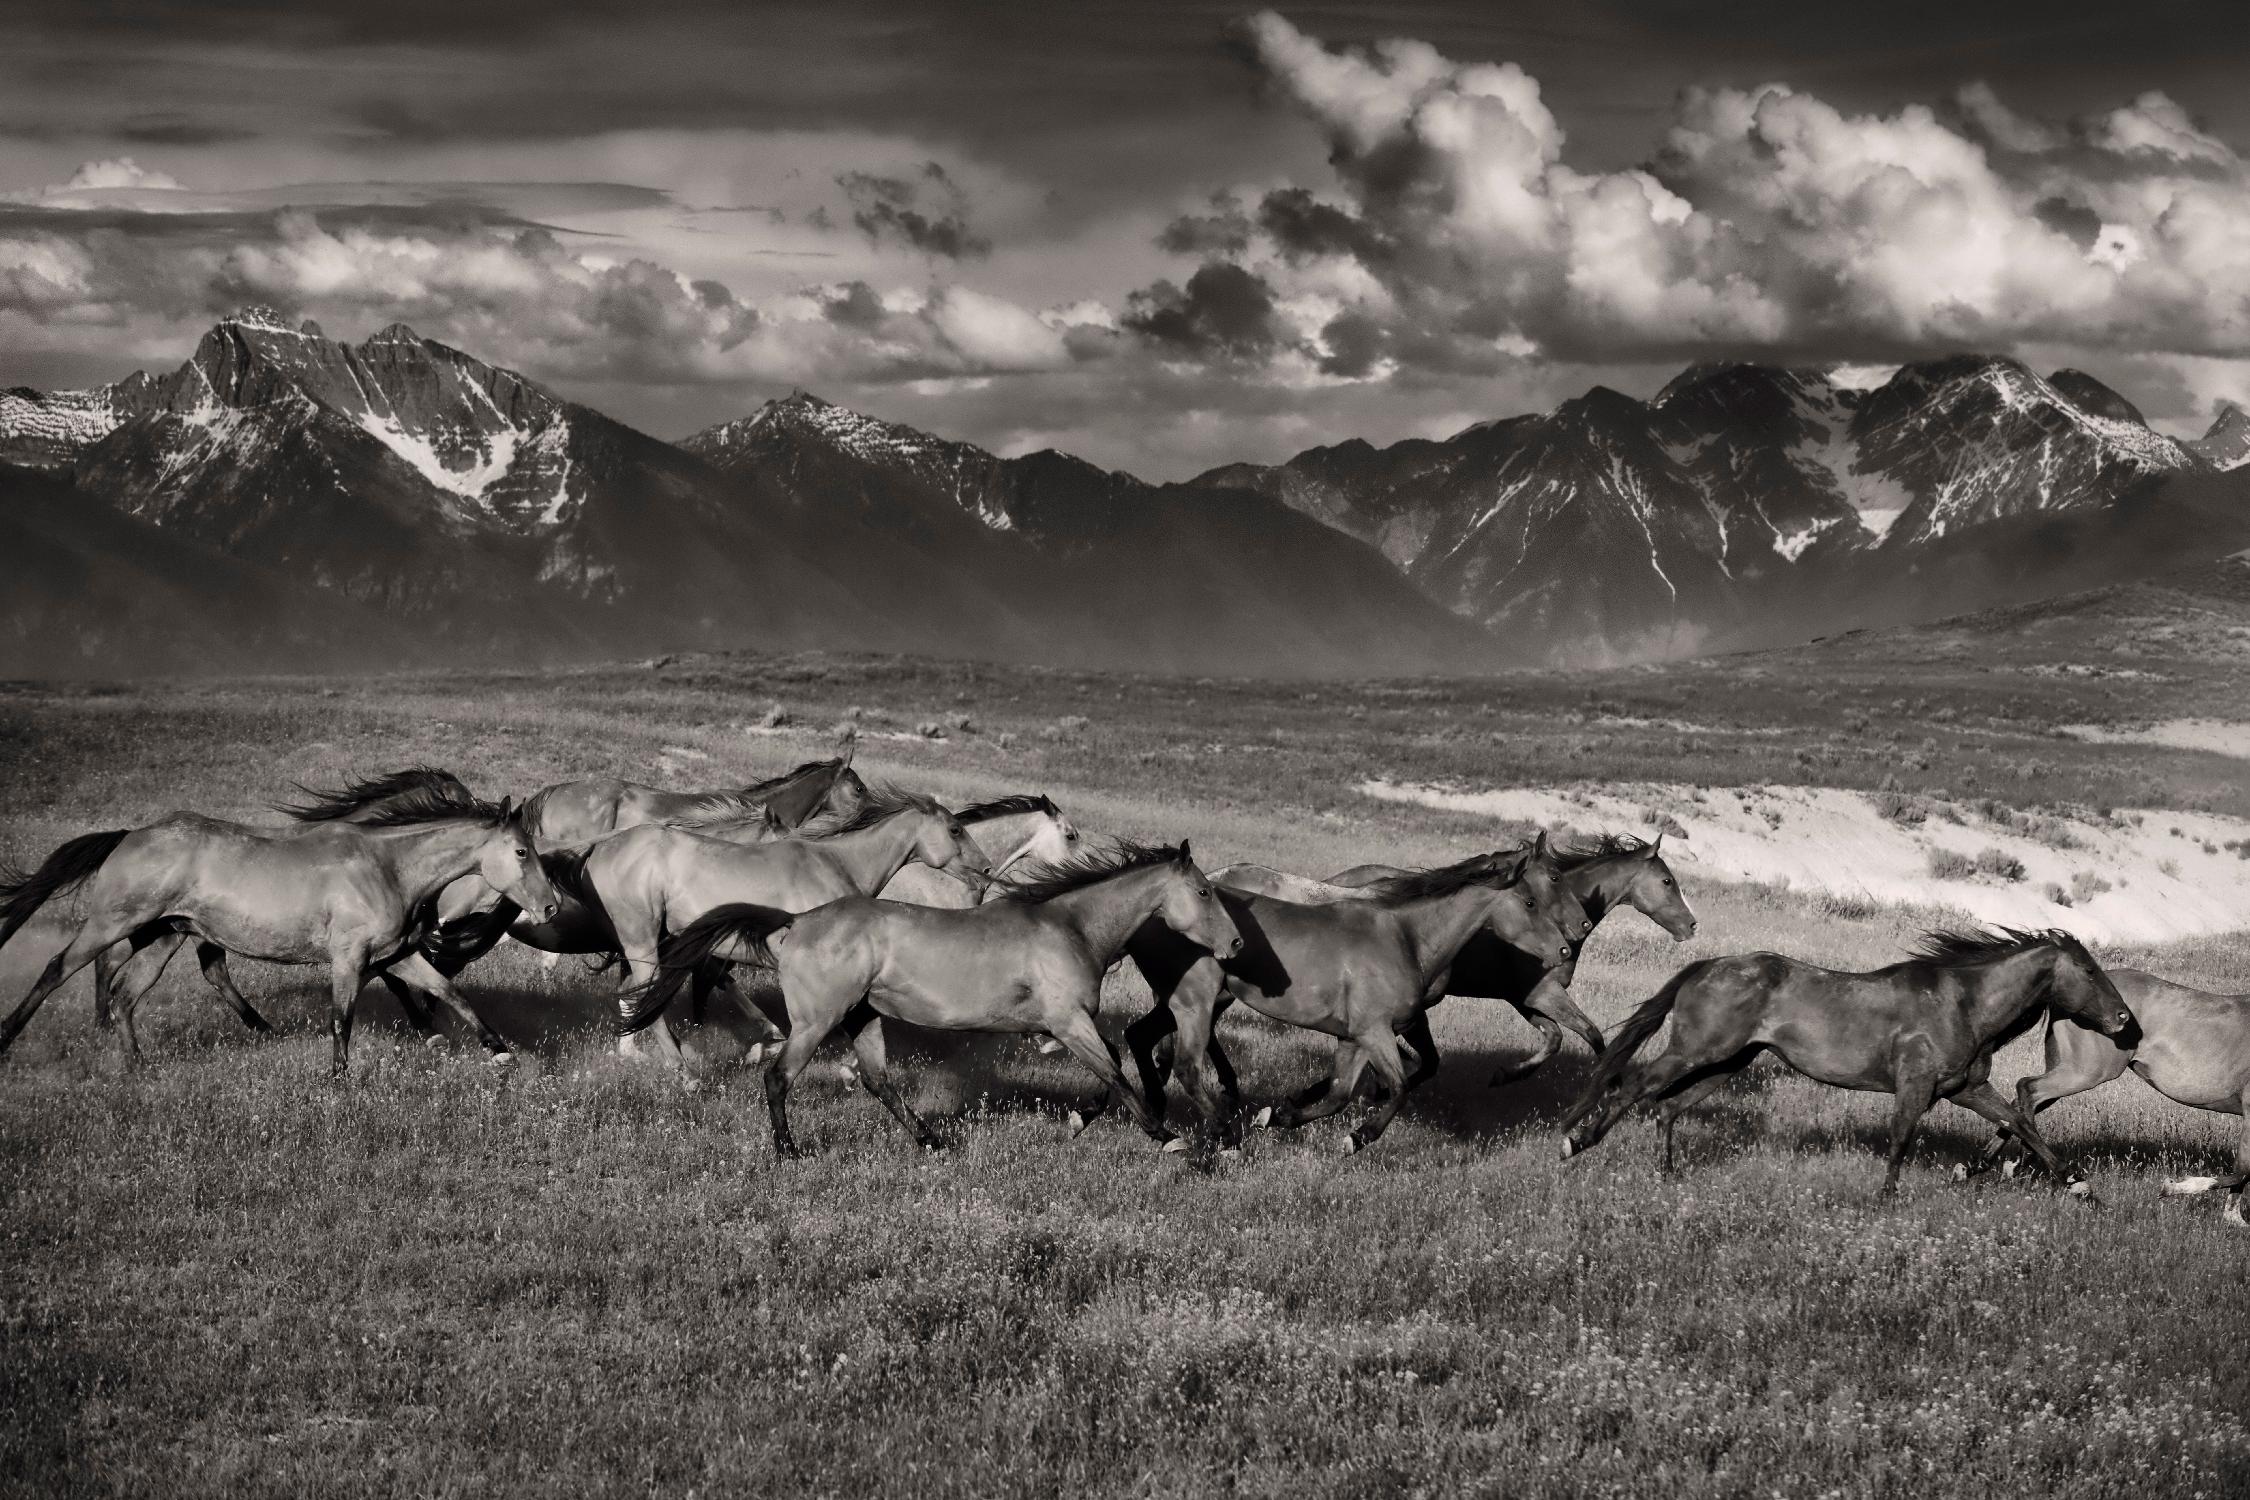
{"x": 224, "y": 1276}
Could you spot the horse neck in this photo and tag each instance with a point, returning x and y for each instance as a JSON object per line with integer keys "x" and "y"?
{"x": 795, "y": 801}
{"x": 426, "y": 858}
{"x": 2008, "y": 988}
{"x": 1437, "y": 928}
{"x": 869, "y": 857}
{"x": 1602, "y": 885}
{"x": 1107, "y": 913}
{"x": 1009, "y": 831}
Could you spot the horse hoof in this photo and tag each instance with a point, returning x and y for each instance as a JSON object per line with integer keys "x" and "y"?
{"x": 1075, "y": 1123}
{"x": 1960, "y": 1172}
{"x": 1569, "y": 1148}
{"x": 1048, "y": 1046}
{"x": 1263, "y": 1119}
{"x": 433, "y": 1041}
{"x": 1351, "y": 1145}
{"x": 2080, "y": 1188}
{"x": 500, "y": 1059}
{"x": 2009, "y": 1169}
{"x": 1174, "y": 1146}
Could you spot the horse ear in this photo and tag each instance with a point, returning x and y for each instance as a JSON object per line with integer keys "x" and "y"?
{"x": 844, "y": 761}
{"x": 1185, "y": 857}
{"x": 1649, "y": 849}
{"x": 507, "y": 808}
{"x": 1047, "y": 805}
{"x": 1539, "y": 848}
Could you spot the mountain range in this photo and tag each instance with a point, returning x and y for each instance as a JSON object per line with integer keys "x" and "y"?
{"x": 284, "y": 500}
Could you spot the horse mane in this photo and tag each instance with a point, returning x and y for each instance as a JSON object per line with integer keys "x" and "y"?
{"x": 1582, "y": 852}
{"x": 760, "y": 817}
{"x": 882, "y": 803}
{"x": 329, "y": 804}
{"x": 1444, "y": 880}
{"x": 712, "y": 807}
{"x": 1047, "y": 881}
{"x": 1008, "y": 807}
{"x": 1956, "y": 947}
{"x": 435, "y": 803}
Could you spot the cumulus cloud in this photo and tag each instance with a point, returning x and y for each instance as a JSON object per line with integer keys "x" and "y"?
{"x": 515, "y": 293}
{"x": 117, "y": 172}
{"x": 1456, "y": 233}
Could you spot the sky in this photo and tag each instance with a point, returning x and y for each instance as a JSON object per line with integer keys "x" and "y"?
{"x": 1161, "y": 234}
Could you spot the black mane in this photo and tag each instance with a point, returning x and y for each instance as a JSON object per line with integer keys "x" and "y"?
{"x": 772, "y": 784}
{"x": 1956, "y": 947}
{"x": 749, "y": 801}
{"x": 327, "y": 805}
{"x": 1048, "y": 881}
{"x": 437, "y": 803}
{"x": 1444, "y": 880}
{"x": 1583, "y": 852}
{"x": 882, "y": 803}
{"x": 1008, "y": 807}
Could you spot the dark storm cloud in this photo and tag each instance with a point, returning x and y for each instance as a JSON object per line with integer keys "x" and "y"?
{"x": 927, "y": 213}
{"x": 1225, "y": 230}
{"x": 1224, "y": 311}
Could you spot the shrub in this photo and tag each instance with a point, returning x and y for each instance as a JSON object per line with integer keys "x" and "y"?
{"x": 1947, "y": 865}
{"x": 775, "y": 716}
{"x": 2058, "y": 895}
{"x": 1999, "y": 864}
{"x": 2085, "y": 885}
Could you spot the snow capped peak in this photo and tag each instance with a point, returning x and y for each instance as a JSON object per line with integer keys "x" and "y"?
{"x": 260, "y": 316}
{"x": 397, "y": 333}
{"x": 2227, "y": 444}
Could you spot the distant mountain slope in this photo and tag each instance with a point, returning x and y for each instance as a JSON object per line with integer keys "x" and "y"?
{"x": 1745, "y": 504}
{"x": 492, "y": 517}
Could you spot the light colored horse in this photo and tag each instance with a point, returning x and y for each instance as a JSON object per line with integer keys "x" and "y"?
{"x": 651, "y": 880}
{"x": 1030, "y": 961}
{"x": 2190, "y": 1045}
{"x": 349, "y": 895}
{"x": 1024, "y": 830}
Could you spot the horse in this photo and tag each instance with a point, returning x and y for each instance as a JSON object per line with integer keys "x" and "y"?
{"x": 122, "y": 976}
{"x": 347, "y": 894}
{"x": 1029, "y": 827}
{"x": 1606, "y": 873}
{"x": 1030, "y": 960}
{"x": 579, "y": 812}
{"x": 2192, "y": 1046}
{"x": 471, "y": 919}
{"x": 1363, "y": 971}
{"x": 649, "y": 880}
{"x": 1921, "y": 1030}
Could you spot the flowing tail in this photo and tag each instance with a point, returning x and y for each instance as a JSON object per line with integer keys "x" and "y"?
{"x": 1629, "y": 1038}
{"x": 747, "y": 929}
{"x": 21, "y": 894}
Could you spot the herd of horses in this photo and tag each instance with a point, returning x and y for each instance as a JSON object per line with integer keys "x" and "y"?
{"x": 868, "y": 904}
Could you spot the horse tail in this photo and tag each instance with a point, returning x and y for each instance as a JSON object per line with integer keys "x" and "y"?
{"x": 1628, "y": 1039}
{"x": 22, "y": 894}
{"x": 751, "y": 928}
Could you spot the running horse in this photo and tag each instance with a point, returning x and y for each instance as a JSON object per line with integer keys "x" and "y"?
{"x": 1030, "y": 960}
{"x": 1363, "y": 971}
{"x": 2192, "y": 1046}
{"x": 1605, "y": 874}
{"x": 349, "y": 895}
{"x": 1920, "y": 1031}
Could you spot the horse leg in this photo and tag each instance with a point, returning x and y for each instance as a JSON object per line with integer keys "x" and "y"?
{"x": 417, "y": 971}
{"x": 410, "y": 1006}
{"x": 1987, "y": 1101}
{"x": 1550, "y": 1042}
{"x": 804, "y": 1037}
{"x": 770, "y": 1033}
{"x": 1381, "y": 1052}
{"x": 1416, "y": 1034}
{"x": 88, "y": 944}
{"x": 1331, "y": 1093}
{"x": 1071, "y": 1022}
{"x": 212, "y": 960}
{"x": 347, "y": 971}
{"x": 2078, "y": 1059}
{"x": 122, "y": 962}
{"x": 1682, "y": 1100}
{"x": 2181, "y": 1187}
{"x": 875, "y": 1076}
{"x": 1551, "y": 998}
{"x": 1914, "y": 1087}
{"x": 138, "y": 974}
{"x": 1194, "y": 1046}
{"x": 1643, "y": 1080}
{"x": 642, "y": 960}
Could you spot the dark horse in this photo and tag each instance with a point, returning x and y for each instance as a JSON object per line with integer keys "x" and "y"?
{"x": 1920, "y": 1030}
{"x": 1615, "y": 870}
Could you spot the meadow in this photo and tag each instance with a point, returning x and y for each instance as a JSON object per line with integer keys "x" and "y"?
{"x": 223, "y": 1275}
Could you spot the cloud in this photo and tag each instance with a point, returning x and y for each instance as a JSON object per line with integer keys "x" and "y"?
{"x": 888, "y": 209}
{"x": 1455, "y": 233}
